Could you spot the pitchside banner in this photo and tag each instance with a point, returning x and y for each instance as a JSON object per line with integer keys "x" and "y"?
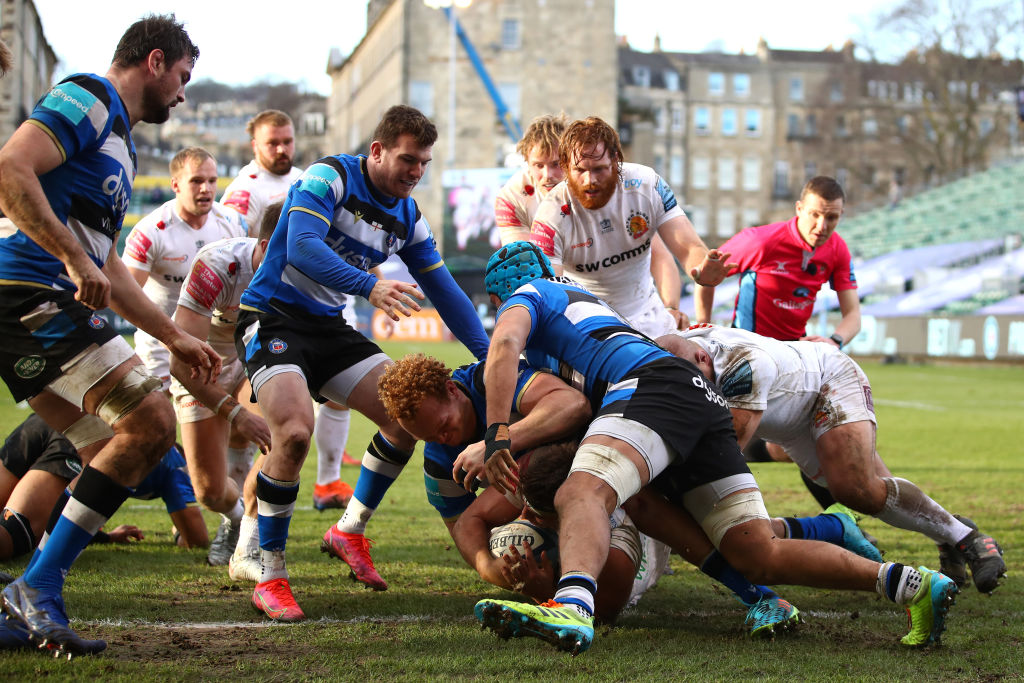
{"x": 469, "y": 228}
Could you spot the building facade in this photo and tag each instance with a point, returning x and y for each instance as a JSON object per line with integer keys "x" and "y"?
{"x": 34, "y": 63}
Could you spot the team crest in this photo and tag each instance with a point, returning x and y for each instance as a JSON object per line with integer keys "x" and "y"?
{"x": 277, "y": 346}
{"x": 96, "y": 322}
{"x": 637, "y": 225}
{"x": 28, "y": 367}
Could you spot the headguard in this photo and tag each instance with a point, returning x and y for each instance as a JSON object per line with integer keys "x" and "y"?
{"x": 513, "y": 266}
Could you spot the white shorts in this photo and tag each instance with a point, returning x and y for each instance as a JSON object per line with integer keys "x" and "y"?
{"x": 155, "y": 356}
{"x": 187, "y": 408}
{"x": 845, "y": 397}
{"x": 86, "y": 369}
{"x": 654, "y": 321}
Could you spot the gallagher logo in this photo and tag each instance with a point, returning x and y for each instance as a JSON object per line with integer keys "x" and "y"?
{"x": 277, "y": 346}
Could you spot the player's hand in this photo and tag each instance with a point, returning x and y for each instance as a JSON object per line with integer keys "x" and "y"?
{"x": 125, "y": 533}
{"x": 713, "y": 268}
{"x": 203, "y": 361}
{"x": 502, "y": 471}
{"x": 818, "y": 338}
{"x": 93, "y": 285}
{"x": 254, "y": 428}
{"x": 468, "y": 469}
{"x": 682, "y": 320}
{"x": 528, "y": 576}
{"x": 394, "y": 297}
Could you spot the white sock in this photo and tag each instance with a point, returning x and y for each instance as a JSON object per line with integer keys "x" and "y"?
{"x": 240, "y": 462}
{"x": 910, "y": 581}
{"x": 273, "y": 565}
{"x": 908, "y": 507}
{"x": 236, "y": 514}
{"x": 330, "y": 435}
{"x": 248, "y": 537}
{"x": 355, "y": 517}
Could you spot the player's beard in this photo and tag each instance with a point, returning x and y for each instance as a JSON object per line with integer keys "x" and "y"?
{"x": 153, "y": 110}
{"x": 592, "y": 202}
{"x": 279, "y": 165}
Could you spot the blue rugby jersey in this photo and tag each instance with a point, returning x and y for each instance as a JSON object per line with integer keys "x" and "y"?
{"x": 334, "y": 227}
{"x": 89, "y": 191}
{"x": 579, "y": 336}
{"x": 449, "y": 498}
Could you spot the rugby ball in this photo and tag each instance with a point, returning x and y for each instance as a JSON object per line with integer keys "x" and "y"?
{"x": 520, "y": 532}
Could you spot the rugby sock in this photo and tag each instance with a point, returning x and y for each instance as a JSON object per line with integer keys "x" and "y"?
{"x": 58, "y": 509}
{"x": 240, "y": 462}
{"x": 248, "y": 536}
{"x": 898, "y": 582}
{"x": 95, "y": 499}
{"x": 716, "y": 566}
{"x": 276, "y": 502}
{"x": 908, "y": 507}
{"x": 382, "y": 463}
{"x": 330, "y": 435}
{"x": 236, "y": 513}
{"x": 577, "y": 589}
{"x": 823, "y": 527}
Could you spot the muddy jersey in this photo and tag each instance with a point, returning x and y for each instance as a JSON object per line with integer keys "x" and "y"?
{"x": 254, "y": 189}
{"x": 220, "y": 273}
{"x": 780, "y": 277}
{"x": 515, "y": 207}
{"x": 89, "y": 191}
{"x": 163, "y": 245}
{"x": 609, "y": 249}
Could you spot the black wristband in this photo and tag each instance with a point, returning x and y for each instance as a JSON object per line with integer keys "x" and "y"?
{"x": 491, "y": 443}
{"x": 838, "y": 340}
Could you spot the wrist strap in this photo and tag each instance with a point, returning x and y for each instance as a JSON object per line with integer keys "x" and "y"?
{"x": 492, "y": 444}
{"x": 234, "y": 413}
{"x": 216, "y": 408}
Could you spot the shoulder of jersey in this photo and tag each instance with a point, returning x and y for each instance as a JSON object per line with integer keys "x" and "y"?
{"x": 159, "y": 218}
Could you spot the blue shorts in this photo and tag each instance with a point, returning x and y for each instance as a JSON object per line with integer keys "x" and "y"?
{"x": 168, "y": 480}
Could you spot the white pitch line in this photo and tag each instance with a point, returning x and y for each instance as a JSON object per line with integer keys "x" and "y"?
{"x": 909, "y": 404}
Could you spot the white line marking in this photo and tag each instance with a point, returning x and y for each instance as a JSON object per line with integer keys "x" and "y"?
{"x": 909, "y": 404}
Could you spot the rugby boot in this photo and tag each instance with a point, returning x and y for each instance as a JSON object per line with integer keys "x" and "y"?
{"x": 928, "y": 608}
{"x": 224, "y": 543}
{"x": 347, "y": 459}
{"x": 563, "y": 626}
{"x": 853, "y": 537}
{"x": 245, "y": 567}
{"x": 336, "y": 494}
{"x": 274, "y": 598}
{"x": 353, "y": 550}
{"x": 952, "y": 562}
{"x": 6, "y": 578}
{"x": 985, "y": 558}
{"x": 43, "y": 616}
{"x": 770, "y": 614}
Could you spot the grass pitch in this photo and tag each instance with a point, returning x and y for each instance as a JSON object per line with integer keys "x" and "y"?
{"x": 955, "y": 431}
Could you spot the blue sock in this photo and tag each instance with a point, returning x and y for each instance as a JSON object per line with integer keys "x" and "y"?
{"x": 58, "y": 509}
{"x": 95, "y": 500}
{"x": 715, "y": 566}
{"x": 381, "y": 465}
{"x": 824, "y": 527}
{"x": 275, "y": 502}
{"x": 577, "y": 588}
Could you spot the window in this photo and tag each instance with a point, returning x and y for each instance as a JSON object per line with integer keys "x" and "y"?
{"x": 751, "y": 173}
{"x": 726, "y": 223}
{"x": 811, "y": 127}
{"x": 675, "y": 171}
{"x": 796, "y": 89}
{"x": 659, "y": 164}
{"x": 793, "y": 126}
{"x": 659, "y": 119}
{"x": 510, "y": 93}
{"x": 985, "y": 126}
{"x": 751, "y": 217}
{"x": 677, "y": 117}
{"x": 835, "y": 91}
{"x": 726, "y": 173}
{"x": 642, "y": 76}
{"x": 870, "y": 126}
{"x": 810, "y": 170}
{"x": 671, "y": 80}
{"x": 929, "y": 130}
{"x": 903, "y": 124}
{"x": 780, "y": 179}
{"x": 741, "y": 85}
{"x": 716, "y": 83}
{"x": 510, "y": 35}
{"x": 421, "y": 96}
{"x": 729, "y": 122}
{"x": 752, "y": 122}
{"x": 701, "y": 173}
{"x": 841, "y": 130}
{"x": 702, "y": 120}
{"x": 698, "y": 215}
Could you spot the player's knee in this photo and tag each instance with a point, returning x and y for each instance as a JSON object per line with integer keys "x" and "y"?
{"x": 19, "y": 528}
{"x": 292, "y": 441}
{"x": 863, "y": 494}
{"x": 580, "y": 486}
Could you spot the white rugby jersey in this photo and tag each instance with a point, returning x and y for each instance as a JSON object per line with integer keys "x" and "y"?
{"x": 516, "y": 205}
{"x": 164, "y": 245}
{"x": 254, "y": 189}
{"x": 608, "y": 250}
{"x": 220, "y": 273}
{"x": 783, "y": 379}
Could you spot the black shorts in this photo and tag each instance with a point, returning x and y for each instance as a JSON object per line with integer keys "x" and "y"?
{"x": 43, "y": 329}
{"x": 321, "y": 347}
{"x": 687, "y": 411}
{"x": 34, "y": 445}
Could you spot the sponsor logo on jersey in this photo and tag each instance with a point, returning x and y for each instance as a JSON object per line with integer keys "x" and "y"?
{"x": 589, "y": 242}
{"x": 505, "y": 213}
{"x": 629, "y": 183}
{"x": 543, "y": 235}
{"x": 738, "y": 381}
{"x": 614, "y": 259}
{"x": 668, "y": 199}
{"x": 120, "y": 191}
{"x": 176, "y": 259}
{"x": 317, "y": 179}
{"x": 73, "y": 464}
{"x": 238, "y": 200}
{"x": 792, "y": 305}
{"x": 137, "y": 246}
{"x": 28, "y": 367}
{"x": 780, "y": 267}
{"x": 203, "y": 285}
{"x": 96, "y": 322}
{"x": 277, "y": 346}
{"x": 710, "y": 393}
{"x": 606, "y": 225}
{"x": 802, "y": 292}
{"x": 70, "y": 100}
{"x": 638, "y": 224}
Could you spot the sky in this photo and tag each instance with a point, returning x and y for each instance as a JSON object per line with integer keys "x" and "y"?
{"x": 246, "y": 42}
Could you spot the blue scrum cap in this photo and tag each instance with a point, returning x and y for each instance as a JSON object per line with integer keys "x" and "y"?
{"x": 513, "y": 266}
